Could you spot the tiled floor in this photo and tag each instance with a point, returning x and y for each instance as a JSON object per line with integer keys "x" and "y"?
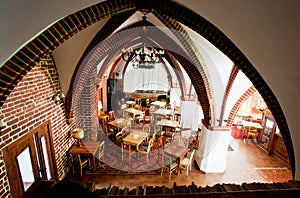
{"x": 241, "y": 167}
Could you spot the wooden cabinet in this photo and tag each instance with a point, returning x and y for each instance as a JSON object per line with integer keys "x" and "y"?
{"x": 271, "y": 141}
{"x": 266, "y": 138}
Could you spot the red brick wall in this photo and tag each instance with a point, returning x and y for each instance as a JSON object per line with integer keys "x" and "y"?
{"x": 87, "y": 110}
{"x": 29, "y": 105}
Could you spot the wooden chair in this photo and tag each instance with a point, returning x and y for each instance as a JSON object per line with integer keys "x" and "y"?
{"x": 109, "y": 132}
{"x": 145, "y": 148}
{"x": 122, "y": 134}
{"x": 103, "y": 119}
{"x": 146, "y": 128}
{"x": 111, "y": 115}
{"x": 177, "y": 117}
{"x": 148, "y": 102}
{"x": 138, "y": 107}
{"x": 128, "y": 149}
{"x": 138, "y": 118}
{"x": 169, "y": 132}
{"x": 147, "y": 117}
{"x": 186, "y": 163}
{"x": 170, "y": 165}
{"x": 251, "y": 131}
{"x": 79, "y": 162}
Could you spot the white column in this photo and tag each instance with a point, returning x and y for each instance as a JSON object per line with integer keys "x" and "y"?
{"x": 198, "y": 116}
{"x": 188, "y": 111}
{"x": 211, "y": 156}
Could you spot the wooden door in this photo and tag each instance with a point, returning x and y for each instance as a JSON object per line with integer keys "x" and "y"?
{"x": 30, "y": 160}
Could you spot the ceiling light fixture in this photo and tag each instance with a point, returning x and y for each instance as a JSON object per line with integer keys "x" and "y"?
{"x": 143, "y": 57}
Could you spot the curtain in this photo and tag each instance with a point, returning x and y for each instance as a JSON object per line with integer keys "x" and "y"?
{"x": 146, "y": 79}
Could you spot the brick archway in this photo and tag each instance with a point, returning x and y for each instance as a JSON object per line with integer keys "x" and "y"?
{"x": 31, "y": 54}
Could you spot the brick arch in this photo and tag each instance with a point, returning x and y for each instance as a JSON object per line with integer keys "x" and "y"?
{"x": 198, "y": 62}
{"x": 239, "y": 103}
{"x": 107, "y": 45}
{"x": 225, "y": 45}
{"x": 232, "y": 76}
{"x": 27, "y": 57}
{"x": 115, "y": 21}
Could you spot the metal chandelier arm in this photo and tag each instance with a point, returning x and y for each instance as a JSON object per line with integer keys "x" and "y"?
{"x": 143, "y": 57}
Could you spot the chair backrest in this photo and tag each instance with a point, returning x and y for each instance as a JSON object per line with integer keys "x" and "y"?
{"x": 106, "y": 129}
{"x": 75, "y": 158}
{"x": 168, "y": 106}
{"x": 122, "y": 134}
{"x": 125, "y": 131}
{"x": 111, "y": 115}
{"x": 104, "y": 119}
{"x": 177, "y": 117}
{"x": 147, "y": 112}
{"x": 150, "y": 144}
{"x": 146, "y": 128}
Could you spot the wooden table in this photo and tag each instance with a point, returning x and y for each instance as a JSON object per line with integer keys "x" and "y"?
{"x": 159, "y": 103}
{"x": 145, "y": 95}
{"x": 252, "y": 124}
{"x": 163, "y": 112}
{"x": 119, "y": 123}
{"x": 130, "y": 103}
{"x": 133, "y": 112}
{"x": 177, "y": 150}
{"x": 86, "y": 149}
{"x": 135, "y": 138}
{"x": 168, "y": 123}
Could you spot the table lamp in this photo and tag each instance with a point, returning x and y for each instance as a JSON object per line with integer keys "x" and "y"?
{"x": 100, "y": 107}
{"x": 78, "y": 134}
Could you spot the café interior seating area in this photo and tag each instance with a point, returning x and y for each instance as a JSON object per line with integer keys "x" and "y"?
{"x": 137, "y": 151}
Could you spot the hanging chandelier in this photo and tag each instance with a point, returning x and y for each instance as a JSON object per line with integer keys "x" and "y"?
{"x": 143, "y": 57}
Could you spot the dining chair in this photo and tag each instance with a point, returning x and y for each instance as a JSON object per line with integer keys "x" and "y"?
{"x": 122, "y": 134}
{"x": 103, "y": 119}
{"x": 186, "y": 163}
{"x": 251, "y": 131}
{"x": 177, "y": 117}
{"x": 78, "y": 161}
{"x": 147, "y": 117}
{"x": 145, "y": 148}
{"x": 109, "y": 132}
{"x": 130, "y": 150}
{"x": 148, "y": 102}
{"x": 111, "y": 115}
{"x": 146, "y": 128}
{"x": 170, "y": 165}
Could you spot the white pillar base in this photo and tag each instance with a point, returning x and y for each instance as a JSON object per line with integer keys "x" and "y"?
{"x": 211, "y": 156}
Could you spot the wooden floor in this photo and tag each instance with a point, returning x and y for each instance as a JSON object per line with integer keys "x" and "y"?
{"x": 241, "y": 167}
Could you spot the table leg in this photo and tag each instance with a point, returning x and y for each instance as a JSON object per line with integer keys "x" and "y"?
{"x": 178, "y": 167}
{"x": 93, "y": 163}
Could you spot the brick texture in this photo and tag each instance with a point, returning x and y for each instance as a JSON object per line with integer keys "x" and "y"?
{"x": 29, "y": 105}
